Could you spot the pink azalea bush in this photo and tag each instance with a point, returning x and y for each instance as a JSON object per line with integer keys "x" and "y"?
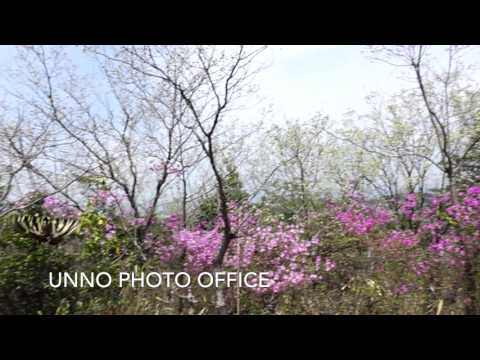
{"x": 58, "y": 208}
{"x": 359, "y": 218}
{"x": 277, "y": 248}
{"x": 406, "y": 258}
{"x": 447, "y": 234}
{"x": 409, "y": 205}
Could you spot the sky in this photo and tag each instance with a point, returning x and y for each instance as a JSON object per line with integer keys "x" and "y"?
{"x": 303, "y": 80}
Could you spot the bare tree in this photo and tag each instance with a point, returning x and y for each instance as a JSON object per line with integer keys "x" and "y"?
{"x": 449, "y": 101}
{"x": 299, "y": 148}
{"x": 24, "y": 145}
{"x": 131, "y": 137}
{"x": 452, "y": 104}
{"x": 393, "y": 137}
{"x": 210, "y": 81}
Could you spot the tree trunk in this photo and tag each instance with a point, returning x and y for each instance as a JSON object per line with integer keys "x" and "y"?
{"x": 470, "y": 305}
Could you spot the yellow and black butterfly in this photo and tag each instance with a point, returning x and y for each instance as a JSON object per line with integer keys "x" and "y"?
{"x": 45, "y": 228}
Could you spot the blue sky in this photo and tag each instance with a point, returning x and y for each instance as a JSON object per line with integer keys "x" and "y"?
{"x": 303, "y": 80}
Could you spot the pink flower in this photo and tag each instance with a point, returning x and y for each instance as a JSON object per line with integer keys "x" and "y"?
{"x": 409, "y": 205}
{"x": 330, "y": 265}
{"x": 58, "y": 208}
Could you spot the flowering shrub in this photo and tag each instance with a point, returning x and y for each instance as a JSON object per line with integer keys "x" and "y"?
{"x": 277, "y": 248}
{"x": 357, "y": 255}
{"x": 400, "y": 239}
{"x": 57, "y": 208}
{"x": 360, "y": 219}
{"x": 437, "y": 252}
{"x": 409, "y": 205}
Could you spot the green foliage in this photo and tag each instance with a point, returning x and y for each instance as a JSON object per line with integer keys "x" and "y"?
{"x": 470, "y": 166}
{"x": 93, "y": 226}
{"x": 288, "y": 201}
{"x": 208, "y": 208}
{"x": 24, "y": 272}
{"x": 25, "y": 264}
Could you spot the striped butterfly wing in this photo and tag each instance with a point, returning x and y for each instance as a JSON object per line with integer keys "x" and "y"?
{"x": 22, "y": 221}
{"x": 35, "y": 225}
{"x": 46, "y": 228}
{"x": 61, "y": 228}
